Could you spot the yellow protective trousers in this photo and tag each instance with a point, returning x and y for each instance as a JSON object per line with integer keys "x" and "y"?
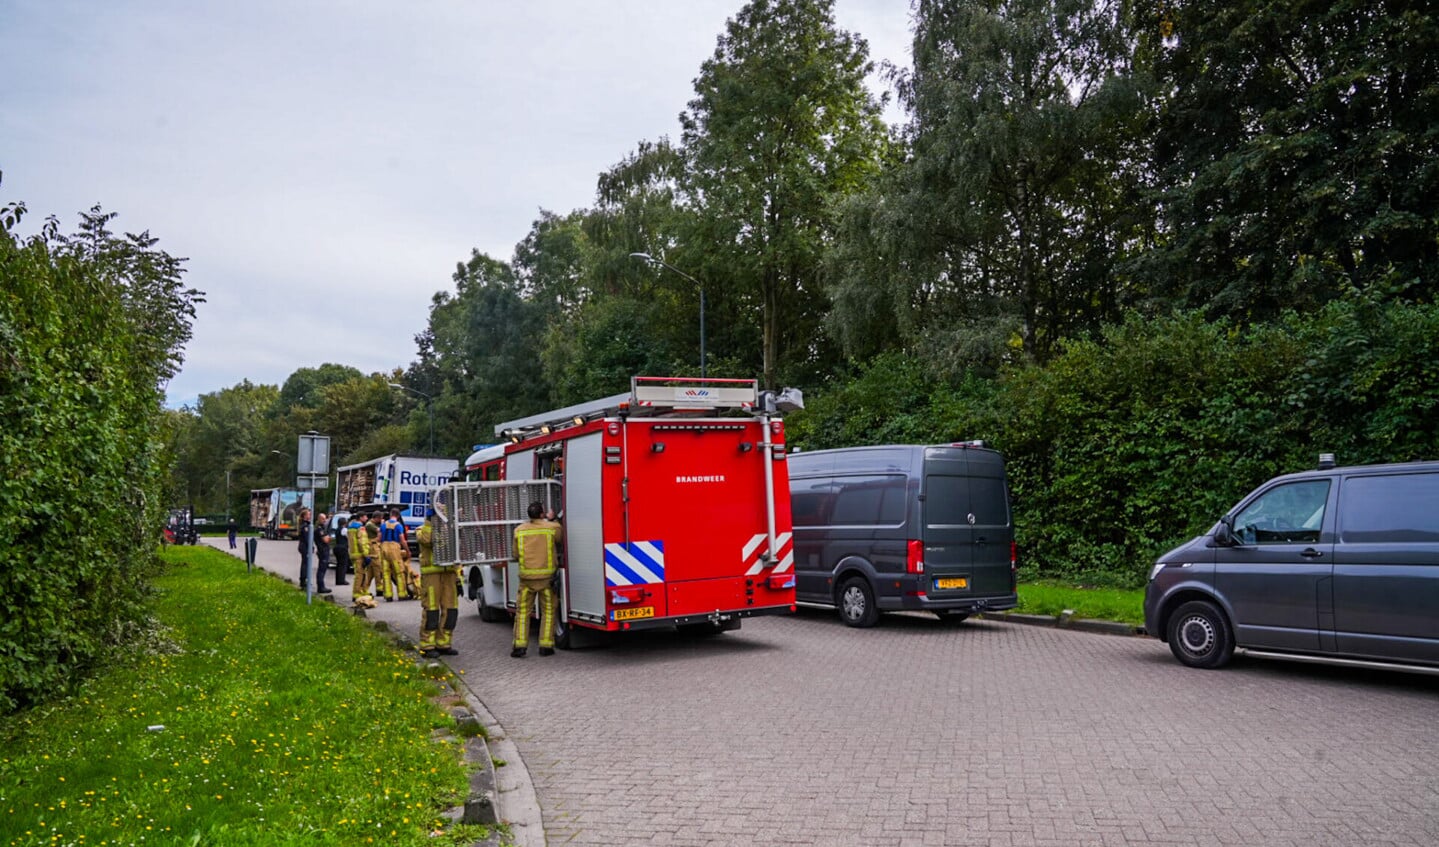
{"x": 529, "y": 589}
{"x": 392, "y": 570}
{"x": 440, "y": 598}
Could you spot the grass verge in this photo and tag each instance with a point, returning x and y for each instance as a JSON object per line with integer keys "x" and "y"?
{"x": 283, "y": 724}
{"x": 1108, "y": 604}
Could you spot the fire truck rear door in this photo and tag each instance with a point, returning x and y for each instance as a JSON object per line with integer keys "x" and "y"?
{"x": 584, "y": 540}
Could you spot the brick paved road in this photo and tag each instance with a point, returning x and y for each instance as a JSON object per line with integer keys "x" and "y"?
{"x": 798, "y": 730}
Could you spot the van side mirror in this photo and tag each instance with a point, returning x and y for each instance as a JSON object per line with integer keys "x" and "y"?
{"x": 1224, "y": 533}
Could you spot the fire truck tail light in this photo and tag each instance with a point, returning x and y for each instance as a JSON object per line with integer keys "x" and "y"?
{"x": 914, "y": 562}
{"x": 622, "y": 596}
{"x": 779, "y": 582}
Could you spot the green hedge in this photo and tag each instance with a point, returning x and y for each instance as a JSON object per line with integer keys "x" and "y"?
{"x": 90, "y": 326}
{"x": 1129, "y": 443}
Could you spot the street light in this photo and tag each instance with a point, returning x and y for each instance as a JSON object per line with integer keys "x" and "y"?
{"x": 652, "y": 260}
{"x": 429, "y": 406}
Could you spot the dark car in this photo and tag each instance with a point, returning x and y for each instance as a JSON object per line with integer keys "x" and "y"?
{"x": 903, "y": 527}
{"x": 1336, "y": 565}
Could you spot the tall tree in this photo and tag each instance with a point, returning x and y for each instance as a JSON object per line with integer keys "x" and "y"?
{"x": 486, "y": 340}
{"x": 780, "y": 128}
{"x": 1298, "y": 147}
{"x": 1019, "y": 193}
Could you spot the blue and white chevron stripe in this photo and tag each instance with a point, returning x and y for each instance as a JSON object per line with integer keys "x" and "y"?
{"x": 635, "y": 563}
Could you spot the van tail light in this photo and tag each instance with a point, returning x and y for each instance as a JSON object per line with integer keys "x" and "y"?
{"x": 914, "y": 562}
{"x": 1013, "y": 566}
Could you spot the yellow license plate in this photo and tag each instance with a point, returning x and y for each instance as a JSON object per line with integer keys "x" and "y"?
{"x": 954, "y": 582}
{"x": 634, "y": 614}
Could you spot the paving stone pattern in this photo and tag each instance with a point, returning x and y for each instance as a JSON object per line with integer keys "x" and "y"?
{"x": 800, "y": 731}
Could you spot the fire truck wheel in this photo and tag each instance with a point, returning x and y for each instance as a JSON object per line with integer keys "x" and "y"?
{"x": 856, "y": 603}
{"x": 490, "y": 614}
{"x": 563, "y": 639}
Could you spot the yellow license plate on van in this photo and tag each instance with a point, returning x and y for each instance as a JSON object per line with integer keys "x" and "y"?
{"x": 952, "y": 582}
{"x": 634, "y": 614}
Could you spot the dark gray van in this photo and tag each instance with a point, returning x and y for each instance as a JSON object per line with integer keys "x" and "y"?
{"x": 903, "y": 527}
{"x": 1335, "y": 565}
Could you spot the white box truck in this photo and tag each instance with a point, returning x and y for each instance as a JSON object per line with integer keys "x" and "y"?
{"x": 402, "y": 482}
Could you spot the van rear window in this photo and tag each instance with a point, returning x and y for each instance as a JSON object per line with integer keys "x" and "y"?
{"x": 950, "y": 500}
{"x": 1401, "y": 508}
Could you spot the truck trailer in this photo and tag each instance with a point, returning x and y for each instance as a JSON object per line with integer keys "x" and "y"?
{"x": 275, "y": 512}
{"x": 674, "y": 500}
{"x": 400, "y": 482}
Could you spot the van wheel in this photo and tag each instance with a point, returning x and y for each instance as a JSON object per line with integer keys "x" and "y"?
{"x": 1199, "y": 635}
{"x": 856, "y": 603}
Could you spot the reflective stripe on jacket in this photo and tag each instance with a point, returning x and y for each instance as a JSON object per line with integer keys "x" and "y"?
{"x": 536, "y": 546}
{"x": 359, "y": 542}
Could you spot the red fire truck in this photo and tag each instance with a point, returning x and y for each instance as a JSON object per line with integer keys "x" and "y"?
{"x": 674, "y": 500}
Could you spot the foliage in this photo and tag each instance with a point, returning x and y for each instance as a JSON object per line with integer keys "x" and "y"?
{"x": 1131, "y": 444}
{"x": 1017, "y": 196}
{"x": 781, "y": 127}
{"x": 91, "y": 326}
{"x": 1298, "y": 152}
{"x": 1127, "y": 443}
{"x": 262, "y": 743}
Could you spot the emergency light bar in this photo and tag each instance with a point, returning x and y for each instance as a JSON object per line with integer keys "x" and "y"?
{"x": 683, "y": 393}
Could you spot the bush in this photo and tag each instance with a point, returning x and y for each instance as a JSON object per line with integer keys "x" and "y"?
{"x": 90, "y": 326}
{"x": 1131, "y": 442}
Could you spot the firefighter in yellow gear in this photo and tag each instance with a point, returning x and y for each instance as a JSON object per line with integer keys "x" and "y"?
{"x": 392, "y": 569}
{"x": 439, "y": 594}
{"x": 537, "y": 546}
{"x": 360, "y": 551}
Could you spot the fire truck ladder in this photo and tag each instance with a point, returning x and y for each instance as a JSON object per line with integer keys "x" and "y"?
{"x": 651, "y": 396}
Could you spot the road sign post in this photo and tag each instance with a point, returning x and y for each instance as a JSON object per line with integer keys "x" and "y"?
{"x": 312, "y": 468}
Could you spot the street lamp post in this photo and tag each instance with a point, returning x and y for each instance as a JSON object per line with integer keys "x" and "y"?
{"x": 652, "y": 260}
{"x": 429, "y": 406}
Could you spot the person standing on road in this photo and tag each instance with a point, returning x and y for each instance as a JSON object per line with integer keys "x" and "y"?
{"x": 537, "y": 546}
{"x": 231, "y": 531}
{"x": 360, "y": 557}
{"x": 322, "y": 553}
{"x": 377, "y": 563}
{"x": 439, "y": 596}
{"x": 342, "y": 551}
{"x": 392, "y": 535}
{"x": 305, "y": 532}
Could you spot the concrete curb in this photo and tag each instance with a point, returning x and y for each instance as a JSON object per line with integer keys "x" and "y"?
{"x": 1067, "y": 621}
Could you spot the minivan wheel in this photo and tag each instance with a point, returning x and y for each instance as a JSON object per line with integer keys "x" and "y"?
{"x": 1199, "y": 635}
{"x": 856, "y": 603}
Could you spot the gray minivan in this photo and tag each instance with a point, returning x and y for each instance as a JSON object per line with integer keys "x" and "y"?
{"x": 903, "y": 527}
{"x": 1336, "y": 565}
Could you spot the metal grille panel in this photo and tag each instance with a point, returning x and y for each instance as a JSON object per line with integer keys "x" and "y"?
{"x": 475, "y": 521}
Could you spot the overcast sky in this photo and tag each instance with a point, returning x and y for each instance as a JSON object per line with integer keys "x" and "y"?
{"x": 325, "y": 165}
